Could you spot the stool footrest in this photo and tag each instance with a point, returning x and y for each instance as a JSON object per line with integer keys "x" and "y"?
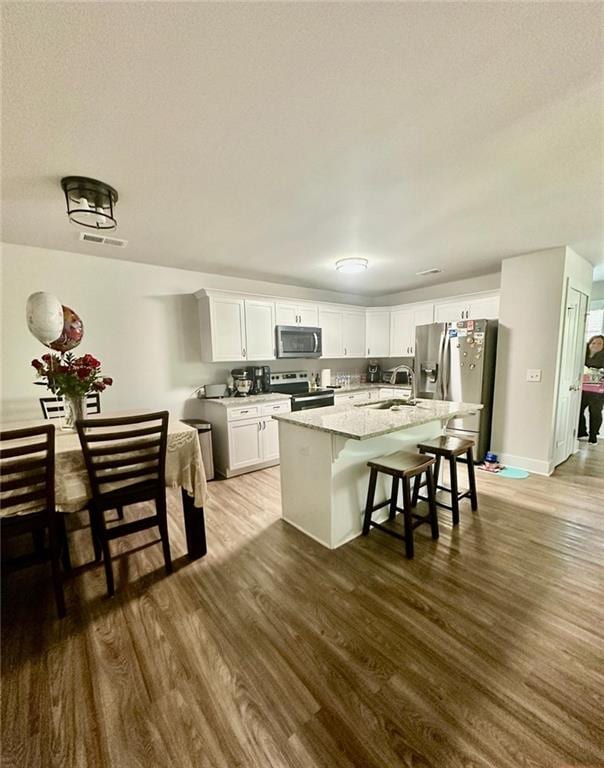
{"x": 389, "y": 531}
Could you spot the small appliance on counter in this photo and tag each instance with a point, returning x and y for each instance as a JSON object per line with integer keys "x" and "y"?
{"x": 374, "y": 373}
{"x": 214, "y": 390}
{"x": 402, "y": 377}
{"x": 325, "y": 378}
{"x": 252, "y": 380}
{"x": 243, "y": 379}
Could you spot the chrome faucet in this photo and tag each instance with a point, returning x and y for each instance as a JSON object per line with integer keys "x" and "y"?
{"x": 411, "y": 375}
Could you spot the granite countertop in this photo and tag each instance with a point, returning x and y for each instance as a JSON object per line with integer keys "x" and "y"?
{"x": 359, "y": 423}
{"x": 367, "y": 387}
{"x": 241, "y": 402}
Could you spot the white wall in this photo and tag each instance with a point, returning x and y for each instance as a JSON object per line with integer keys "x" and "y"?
{"x": 531, "y": 313}
{"x": 141, "y": 321}
{"x": 441, "y": 291}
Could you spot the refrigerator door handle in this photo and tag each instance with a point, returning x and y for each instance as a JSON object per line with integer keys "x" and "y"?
{"x": 443, "y": 365}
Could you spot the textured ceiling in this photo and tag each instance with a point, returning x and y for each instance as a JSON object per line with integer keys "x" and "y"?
{"x": 269, "y": 139}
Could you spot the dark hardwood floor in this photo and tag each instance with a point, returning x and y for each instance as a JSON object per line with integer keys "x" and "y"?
{"x": 485, "y": 650}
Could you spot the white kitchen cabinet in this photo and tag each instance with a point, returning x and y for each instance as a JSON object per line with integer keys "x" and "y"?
{"x": 245, "y": 444}
{"x": 331, "y": 323}
{"x": 377, "y": 332}
{"x": 259, "y": 329}
{"x": 402, "y": 333}
{"x": 484, "y": 308}
{"x": 350, "y": 397}
{"x": 269, "y": 436}
{"x": 468, "y": 308}
{"x": 292, "y": 313}
{"x": 245, "y": 437}
{"x": 403, "y": 323}
{"x": 224, "y": 340}
{"x": 353, "y": 334}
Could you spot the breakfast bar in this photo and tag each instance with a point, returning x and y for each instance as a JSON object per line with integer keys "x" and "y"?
{"x": 324, "y": 455}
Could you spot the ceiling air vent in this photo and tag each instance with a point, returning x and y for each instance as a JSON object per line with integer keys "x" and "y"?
{"x": 431, "y": 271}
{"x": 88, "y": 237}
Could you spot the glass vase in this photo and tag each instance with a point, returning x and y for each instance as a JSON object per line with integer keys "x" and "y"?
{"x": 74, "y": 408}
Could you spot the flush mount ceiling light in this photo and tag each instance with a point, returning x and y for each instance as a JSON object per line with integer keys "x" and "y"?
{"x": 352, "y": 265}
{"x": 89, "y": 202}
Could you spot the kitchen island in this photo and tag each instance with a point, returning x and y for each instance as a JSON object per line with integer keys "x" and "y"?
{"x": 324, "y": 455}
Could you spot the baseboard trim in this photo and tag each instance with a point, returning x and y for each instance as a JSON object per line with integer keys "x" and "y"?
{"x": 524, "y": 462}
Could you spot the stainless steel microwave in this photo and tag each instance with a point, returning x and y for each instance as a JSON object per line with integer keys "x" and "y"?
{"x": 297, "y": 341}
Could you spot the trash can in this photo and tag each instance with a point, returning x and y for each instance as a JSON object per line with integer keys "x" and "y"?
{"x": 204, "y": 429}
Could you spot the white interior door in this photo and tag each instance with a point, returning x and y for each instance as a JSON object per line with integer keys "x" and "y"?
{"x": 569, "y": 382}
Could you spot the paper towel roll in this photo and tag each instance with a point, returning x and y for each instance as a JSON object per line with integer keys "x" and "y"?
{"x": 325, "y": 378}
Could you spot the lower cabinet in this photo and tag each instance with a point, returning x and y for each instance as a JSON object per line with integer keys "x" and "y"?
{"x": 244, "y": 437}
{"x": 245, "y": 444}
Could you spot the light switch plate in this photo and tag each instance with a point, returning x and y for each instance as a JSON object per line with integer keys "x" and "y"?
{"x": 533, "y": 374}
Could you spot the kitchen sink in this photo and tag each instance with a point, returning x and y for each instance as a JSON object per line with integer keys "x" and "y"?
{"x": 384, "y": 405}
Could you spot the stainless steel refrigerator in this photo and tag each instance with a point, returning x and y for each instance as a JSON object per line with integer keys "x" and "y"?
{"x": 456, "y": 361}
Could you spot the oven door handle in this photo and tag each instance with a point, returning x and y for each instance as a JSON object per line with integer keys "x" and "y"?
{"x": 312, "y": 397}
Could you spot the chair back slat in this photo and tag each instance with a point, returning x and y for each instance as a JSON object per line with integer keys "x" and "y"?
{"x": 27, "y": 468}
{"x": 54, "y": 407}
{"x": 21, "y": 450}
{"x": 126, "y": 448}
{"x": 124, "y": 435}
{"x": 118, "y": 463}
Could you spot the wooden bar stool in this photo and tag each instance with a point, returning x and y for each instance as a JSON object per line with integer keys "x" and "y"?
{"x": 402, "y": 466}
{"x": 449, "y": 448}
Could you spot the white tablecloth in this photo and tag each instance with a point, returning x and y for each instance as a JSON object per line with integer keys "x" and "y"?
{"x": 184, "y": 468}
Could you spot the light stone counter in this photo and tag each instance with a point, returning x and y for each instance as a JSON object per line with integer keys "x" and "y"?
{"x": 324, "y": 454}
{"x": 361, "y": 423}
{"x": 241, "y": 402}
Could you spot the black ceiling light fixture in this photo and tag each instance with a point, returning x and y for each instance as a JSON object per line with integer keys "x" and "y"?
{"x": 89, "y": 202}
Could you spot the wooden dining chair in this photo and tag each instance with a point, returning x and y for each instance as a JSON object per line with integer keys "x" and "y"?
{"x": 54, "y": 408}
{"x": 126, "y": 463}
{"x": 27, "y": 481}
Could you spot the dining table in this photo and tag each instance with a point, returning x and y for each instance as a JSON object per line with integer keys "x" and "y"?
{"x": 184, "y": 470}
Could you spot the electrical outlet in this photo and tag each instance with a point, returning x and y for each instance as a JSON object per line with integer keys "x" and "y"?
{"x": 533, "y": 374}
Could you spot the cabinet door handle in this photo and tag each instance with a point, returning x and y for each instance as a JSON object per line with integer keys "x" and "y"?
{"x": 345, "y": 351}
{"x": 243, "y": 352}
{"x": 368, "y": 351}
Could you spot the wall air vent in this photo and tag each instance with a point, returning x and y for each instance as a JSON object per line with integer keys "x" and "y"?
{"x": 431, "y": 271}
{"x": 88, "y": 237}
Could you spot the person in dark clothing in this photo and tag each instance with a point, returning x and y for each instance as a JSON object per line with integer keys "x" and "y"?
{"x": 594, "y": 401}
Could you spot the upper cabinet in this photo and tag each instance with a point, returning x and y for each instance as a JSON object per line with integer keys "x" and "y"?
{"x": 403, "y": 323}
{"x": 239, "y": 327}
{"x": 259, "y": 329}
{"x": 343, "y": 332}
{"x": 377, "y": 333}
{"x": 478, "y": 307}
{"x": 235, "y": 329}
{"x": 297, "y": 313}
{"x": 222, "y": 328}
{"x": 330, "y": 322}
{"x": 484, "y": 307}
{"x": 353, "y": 333}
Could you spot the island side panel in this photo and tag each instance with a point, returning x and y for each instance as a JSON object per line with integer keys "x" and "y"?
{"x": 350, "y": 477}
{"x": 306, "y": 459}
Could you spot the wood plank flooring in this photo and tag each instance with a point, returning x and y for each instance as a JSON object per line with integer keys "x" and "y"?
{"x": 485, "y": 650}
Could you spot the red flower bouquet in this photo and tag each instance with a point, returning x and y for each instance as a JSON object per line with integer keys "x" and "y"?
{"x": 71, "y": 376}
